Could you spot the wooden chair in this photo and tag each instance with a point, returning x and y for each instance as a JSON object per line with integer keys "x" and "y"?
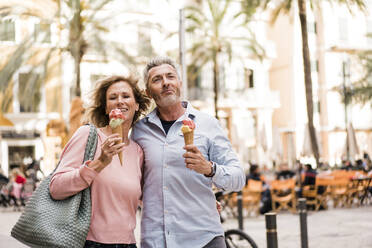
{"x": 283, "y": 195}
{"x": 323, "y": 191}
{"x": 229, "y": 205}
{"x": 251, "y": 196}
{"x": 310, "y": 192}
{"x": 340, "y": 192}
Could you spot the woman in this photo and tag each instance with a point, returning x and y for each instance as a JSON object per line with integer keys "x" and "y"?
{"x": 115, "y": 188}
{"x": 18, "y": 179}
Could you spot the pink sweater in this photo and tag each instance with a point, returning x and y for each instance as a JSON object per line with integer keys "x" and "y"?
{"x": 115, "y": 191}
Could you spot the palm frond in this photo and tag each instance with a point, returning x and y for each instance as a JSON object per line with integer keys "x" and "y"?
{"x": 96, "y": 9}
{"x": 350, "y": 4}
{"x": 283, "y": 7}
{"x": 6, "y": 98}
{"x": 14, "y": 63}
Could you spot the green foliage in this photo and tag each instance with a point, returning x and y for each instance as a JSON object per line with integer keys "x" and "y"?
{"x": 284, "y": 6}
{"x": 86, "y": 30}
{"x": 211, "y": 26}
{"x": 361, "y": 91}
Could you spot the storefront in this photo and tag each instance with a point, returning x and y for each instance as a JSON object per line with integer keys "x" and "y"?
{"x": 25, "y": 140}
{"x": 19, "y": 149}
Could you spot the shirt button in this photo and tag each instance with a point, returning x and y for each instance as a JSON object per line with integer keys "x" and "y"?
{"x": 165, "y": 166}
{"x": 166, "y": 144}
{"x": 165, "y": 211}
{"x": 165, "y": 187}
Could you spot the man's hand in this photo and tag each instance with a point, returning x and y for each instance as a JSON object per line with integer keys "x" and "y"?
{"x": 195, "y": 160}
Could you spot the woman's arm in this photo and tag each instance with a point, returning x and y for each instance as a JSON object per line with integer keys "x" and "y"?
{"x": 72, "y": 176}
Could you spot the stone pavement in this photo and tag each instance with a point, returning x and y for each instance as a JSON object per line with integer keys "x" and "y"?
{"x": 341, "y": 228}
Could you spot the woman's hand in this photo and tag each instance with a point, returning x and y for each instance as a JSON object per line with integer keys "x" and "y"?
{"x": 109, "y": 148}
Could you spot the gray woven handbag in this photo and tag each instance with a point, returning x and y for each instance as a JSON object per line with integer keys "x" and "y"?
{"x": 57, "y": 223}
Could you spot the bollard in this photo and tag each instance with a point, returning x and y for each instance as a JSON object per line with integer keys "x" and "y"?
{"x": 271, "y": 234}
{"x": 303, "y": 222}
{"x": 240, "y": 210}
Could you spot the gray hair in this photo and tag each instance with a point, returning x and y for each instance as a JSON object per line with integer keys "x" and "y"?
{"x": 157, "y": 61}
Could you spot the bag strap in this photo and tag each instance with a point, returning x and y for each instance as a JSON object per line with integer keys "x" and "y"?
{"x": 90, "y": 147}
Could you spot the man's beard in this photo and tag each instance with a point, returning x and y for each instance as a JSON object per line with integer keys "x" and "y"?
{"x": 167, "y": 100}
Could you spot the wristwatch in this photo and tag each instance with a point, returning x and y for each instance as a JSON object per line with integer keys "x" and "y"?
{"x": 213, "y": 170}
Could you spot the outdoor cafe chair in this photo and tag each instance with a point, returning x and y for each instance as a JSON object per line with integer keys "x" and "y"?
{"x": 283, "y": 195}
{"x": 341, "y": 192}
{"x": 251, "y": 196}
{"x": 310, "y": 192}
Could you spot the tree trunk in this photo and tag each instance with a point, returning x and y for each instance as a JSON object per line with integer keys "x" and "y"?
{"x": 76, "y": 43}
{"x": 216, "y": 80}
{"x": 308, "y": 82}
{"x": 77, "y": 60}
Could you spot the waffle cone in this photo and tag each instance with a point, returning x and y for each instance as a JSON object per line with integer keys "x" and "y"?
{"x": 189, "y": 138}
{"x": 119, "y": 131}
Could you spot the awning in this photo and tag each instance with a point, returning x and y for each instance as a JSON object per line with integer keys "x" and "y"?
{"x": 4, "y": 121}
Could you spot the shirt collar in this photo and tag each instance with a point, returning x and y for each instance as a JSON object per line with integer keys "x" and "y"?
{"x": 190, "y": 113}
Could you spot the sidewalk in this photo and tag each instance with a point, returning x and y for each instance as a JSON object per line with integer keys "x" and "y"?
{"x": 341, "y": 228}
{"x": 7, "y": 219}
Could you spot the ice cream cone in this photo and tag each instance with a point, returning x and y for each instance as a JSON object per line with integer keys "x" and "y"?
{"x": 189, "y": 137}
{"x": 119, "y": 131}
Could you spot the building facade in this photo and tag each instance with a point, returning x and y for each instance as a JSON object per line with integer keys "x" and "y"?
{"x": 333, "y": 44}
{"x": 32, "y": 97}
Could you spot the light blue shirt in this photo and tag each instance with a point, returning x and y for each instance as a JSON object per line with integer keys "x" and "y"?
{"x": 179, "y": 207}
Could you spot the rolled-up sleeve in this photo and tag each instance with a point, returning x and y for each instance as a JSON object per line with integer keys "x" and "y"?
{"x": 72, "y": 175}
{"x": 229, "y": 172}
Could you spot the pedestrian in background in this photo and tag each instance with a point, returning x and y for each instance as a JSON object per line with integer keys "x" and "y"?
{"x": 284, "y": 172}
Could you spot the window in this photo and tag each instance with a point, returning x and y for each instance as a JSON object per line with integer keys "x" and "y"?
{"x": 311, "y": 27}
{"x": 144, "y": 43}
{"x": 29, "y": 95}
{"x": 222, "y": 78}
{"x": 369, "y": 32}
{"x": 248, "y": 78}
{"x": 7, "y": 30}
{"x": 194, "y": 76}
{"x": 343, "y": 29}
{"x": 95, "y": 77}
{"x": 42, "y": 32}
{"x": 314, "y": 65}
{"x": 316, "y": 105}
{"x": 345, "y": 70}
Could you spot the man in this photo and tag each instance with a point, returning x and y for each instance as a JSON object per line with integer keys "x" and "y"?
{"x": 284, "y": 172}
{"x": 179, "y": 207}
{"x": 309, "y": 175}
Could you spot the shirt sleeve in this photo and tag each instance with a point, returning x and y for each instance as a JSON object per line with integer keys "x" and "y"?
{"x": 72, "y": 175}
{"x": 142, "y": 167}
{"x": 229, "y": 172}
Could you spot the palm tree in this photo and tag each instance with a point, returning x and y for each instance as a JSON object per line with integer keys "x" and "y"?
{"x": 85, "y": 31}
{"x": 212, "y": 41}
{"x": 361, "y": 91}
{"x": 17, "y": 57}
{"x": 285, "y": 6}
